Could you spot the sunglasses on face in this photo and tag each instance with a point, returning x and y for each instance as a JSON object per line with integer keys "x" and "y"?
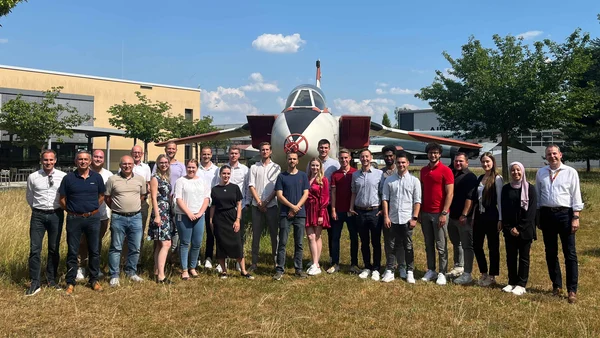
{"x": 50, "y": 180}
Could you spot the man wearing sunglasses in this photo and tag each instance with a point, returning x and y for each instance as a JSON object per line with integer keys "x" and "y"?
{"x": 46, "y": 216}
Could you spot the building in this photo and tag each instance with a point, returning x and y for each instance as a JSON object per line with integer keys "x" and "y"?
{"x": 93, "y": 96}
{"x": 426, "y": 120}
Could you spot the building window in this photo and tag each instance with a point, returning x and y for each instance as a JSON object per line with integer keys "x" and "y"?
{"x": 189, "y": 114}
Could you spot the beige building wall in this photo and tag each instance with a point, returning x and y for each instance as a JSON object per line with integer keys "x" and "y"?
{"x": 106, "y": 92}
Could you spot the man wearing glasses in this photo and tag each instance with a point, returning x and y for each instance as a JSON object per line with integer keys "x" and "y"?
{"x": 141, "y": 169}
{"x": 46, "y": 216}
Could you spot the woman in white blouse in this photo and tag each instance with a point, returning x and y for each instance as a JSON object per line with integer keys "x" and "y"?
{"x": 192, "y": 197}
{"x": 487, "y": 219}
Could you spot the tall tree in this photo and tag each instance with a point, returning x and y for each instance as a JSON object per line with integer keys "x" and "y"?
{"x": 143, "y": 120}
{"x": 510, "y": 89}
{"x": 386, "y": 120}
{"x": 35, "y": 122}
{"x": 178, "y": 126}
{"x": 7, "y": 5}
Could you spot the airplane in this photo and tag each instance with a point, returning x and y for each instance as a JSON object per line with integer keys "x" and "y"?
{"x": 306, "y": 119}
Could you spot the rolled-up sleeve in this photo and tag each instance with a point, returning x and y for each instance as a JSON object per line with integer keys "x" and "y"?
{"x": 576, "y": 201}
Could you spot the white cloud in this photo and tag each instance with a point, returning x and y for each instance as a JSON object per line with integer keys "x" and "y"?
{"x": 400, "y": 91}
{"x": 278, "y": 43}
{"x": 380, "y": 91}
{"x": 409, "y": 106}
{"x": 375, "y": 108}
{"x": 257, "y": 84}
{"x": 280, "y": 102}
{"x": 227, "y": 100}
{"x": 529, "y": 35}
{"x": 3, "y": 40}
{"x": 381, "y": 84}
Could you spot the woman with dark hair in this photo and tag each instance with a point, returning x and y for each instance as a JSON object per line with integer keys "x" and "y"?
{"x": 225, "y": 217}
{"x": 519, "y": 204}
{"x": 317, "y": 216}
{"x": 160, "y": 218}
{"x": 487, "y": 219}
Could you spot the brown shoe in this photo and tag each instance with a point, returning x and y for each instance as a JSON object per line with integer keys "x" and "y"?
{"x": 572, "y": 297}
{"x": 96, "y": 286}
{"x": 70, "y": 289}
{"x": 557, "y": 292}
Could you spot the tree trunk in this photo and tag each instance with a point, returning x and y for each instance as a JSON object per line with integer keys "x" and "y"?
{"x": 145, "y": 151}
{"x": 505, "y": 156}
{"x": 588, "y": 166}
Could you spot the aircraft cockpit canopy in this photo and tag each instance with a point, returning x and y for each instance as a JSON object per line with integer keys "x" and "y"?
{"x": 305, "y": 97}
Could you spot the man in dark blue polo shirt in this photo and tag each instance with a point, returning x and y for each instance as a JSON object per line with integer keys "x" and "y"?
{"x": 81, "y": 193}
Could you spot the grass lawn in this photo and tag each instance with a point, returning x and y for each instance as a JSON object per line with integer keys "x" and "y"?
{"x": 326, "y": 305}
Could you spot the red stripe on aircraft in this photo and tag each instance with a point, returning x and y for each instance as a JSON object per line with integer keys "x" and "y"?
{"x": 429, "y": 138}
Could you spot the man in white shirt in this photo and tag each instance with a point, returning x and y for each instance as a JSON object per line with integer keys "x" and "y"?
{"x": 97, "y": 165}
{"x": 559, "y": 202}
{"x": 46, "y": 216}
{"x": 401, "y": 199}
{"x": 261, "y": 185}
{"x": 209, "y": 173}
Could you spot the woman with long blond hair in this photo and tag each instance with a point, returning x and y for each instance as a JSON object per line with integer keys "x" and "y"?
{"x": 317, "y": 216}
{"x": 160, "y": 219}
{"x": 487, "y": 219}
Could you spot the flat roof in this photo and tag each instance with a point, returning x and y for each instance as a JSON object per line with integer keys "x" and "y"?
{"x": 96, "y": 77}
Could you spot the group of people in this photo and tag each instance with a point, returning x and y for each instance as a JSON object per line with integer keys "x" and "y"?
{"x": 187, "y": 199}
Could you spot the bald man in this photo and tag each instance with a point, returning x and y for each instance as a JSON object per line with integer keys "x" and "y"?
{"x": 124, "y": 195}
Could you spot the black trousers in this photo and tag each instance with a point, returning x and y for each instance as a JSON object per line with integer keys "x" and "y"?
{"x": 210, "y": 236}
{"x": 483, "y": 228}
{"x": 369, "y": 231}
{"x": 39, "y": 224}
{"x": 517, "y": 259}
{"x": 558, "y": 224}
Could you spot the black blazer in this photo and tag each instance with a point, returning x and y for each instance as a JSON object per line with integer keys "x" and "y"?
{"x": 515, "y": 216}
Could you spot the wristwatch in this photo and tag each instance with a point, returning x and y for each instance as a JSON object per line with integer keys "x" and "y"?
{"x": 575, "y": 217}
{"x": 444, "y": 213}
{"x": 414, "y": 218}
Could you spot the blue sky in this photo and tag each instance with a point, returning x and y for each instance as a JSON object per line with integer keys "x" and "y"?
{"x": 246, "y": 57}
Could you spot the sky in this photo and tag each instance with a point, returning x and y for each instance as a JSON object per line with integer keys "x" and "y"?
{"x": 246, "y": 57}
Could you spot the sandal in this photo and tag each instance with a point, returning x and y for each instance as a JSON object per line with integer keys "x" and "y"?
{"x": 247, "y": 276}
{"x": 196, "y": 275}
{"x": 165, "y": 281}
{"x": 185, "y": 277}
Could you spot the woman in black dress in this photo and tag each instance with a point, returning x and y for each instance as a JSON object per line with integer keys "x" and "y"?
{"x": 225, "y": 216}
{"x": 519, "y": 204}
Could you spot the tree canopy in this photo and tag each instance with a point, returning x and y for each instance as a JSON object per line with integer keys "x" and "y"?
{"x": 35, "y": 122}
{"x": 510, "y": 89}
{"x": 385, "y": 120}
{"x": 178, "y": 127}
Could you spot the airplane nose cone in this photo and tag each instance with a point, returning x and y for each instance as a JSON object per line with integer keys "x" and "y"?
{"x": 296, "y": 143}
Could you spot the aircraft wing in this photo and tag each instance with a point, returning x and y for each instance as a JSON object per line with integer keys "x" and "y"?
{"x": 218, "y": 135}
{"x": 381, "y": 130}
{"x": 488, "y": 146}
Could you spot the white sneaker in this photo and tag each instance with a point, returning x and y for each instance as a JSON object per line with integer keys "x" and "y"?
{"x": 441, "y": 279}
{"x": 309, "y": 265}
{"x": 136, "y": 278}
{"x": 456, "y": 271}
{"x": 463, "y": 279}
{"x": 519, "y": 290}
{"x": 80, "y": 275}
{"x": 364, "y": 274}
{"x": 402, "y": 273}
{"x": 333, "y": 269}
{"x": 219, "y": 268}
{"x": 314, "y": 270}
{"x": 429, "y": 276}
{"x": 388, "y": 276}
{"x": 375, "y": 275}
{"x": 238, "y": 267}
{"x": 410, "y": 278}
{"x": 208, "y": 263}
{"x": 114, "y": 282}
{"x": 508, "y": 288}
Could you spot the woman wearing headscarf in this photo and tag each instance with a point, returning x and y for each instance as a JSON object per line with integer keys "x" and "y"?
{"x": 519, "y": 204}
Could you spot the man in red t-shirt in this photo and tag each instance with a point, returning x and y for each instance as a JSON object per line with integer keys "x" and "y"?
{"x": 341, "y": 193}
{"x": 438, "y": 189}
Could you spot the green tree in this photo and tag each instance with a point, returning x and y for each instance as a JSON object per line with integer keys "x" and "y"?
{"x": 7, "y": 5}
{"x": 143, "y": 120}
{"x": 36, "y": 122}
{"x": 178, "y": 126}
{"x": 510, "y": 89}
{"x": 386, "y": 120}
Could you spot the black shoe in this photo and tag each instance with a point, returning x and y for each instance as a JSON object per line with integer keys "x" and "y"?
{"x": 164, "y": 281}
{"x": 301, "y": 274}
{"x": 278, "y": 275}
{"x": 33, "y": 289}
{"x": 54, "y": 286}
{"x": 247, "y": 276}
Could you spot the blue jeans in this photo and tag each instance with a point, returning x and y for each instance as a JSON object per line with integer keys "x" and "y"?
{"x": 336, "y": 235}
{"x": 120, "y": 228}
{"x": 90, "y": 227}
{"x": 39, "y": 224}
{"x": 189, "y": 231}
{"x": 299, "y": 223}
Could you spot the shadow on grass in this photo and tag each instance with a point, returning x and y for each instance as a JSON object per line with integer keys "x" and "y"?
{"x": 591, "y": 252}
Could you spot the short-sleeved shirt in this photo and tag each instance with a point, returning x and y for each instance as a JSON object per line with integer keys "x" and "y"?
{"x": 82, "y": 194}
{"x": 104, "y": 210}
{"x": 292, "y": 187}
{"x": 434, "y": 182}
{"x": 143, "y": 170}
{"x": 192, "y": 192}
{"x": 177, "y": 170}
{"x": 125, "y": 192}
{"x": 263, "y": 177}
{"x": 342, "y": 182}
{"x": 42, "y": 189}
{"x": 365, "y": 184}
{"x": 464, "y": 184}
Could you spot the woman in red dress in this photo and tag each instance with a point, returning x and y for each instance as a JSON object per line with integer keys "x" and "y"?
{"x": 317, "y": 216}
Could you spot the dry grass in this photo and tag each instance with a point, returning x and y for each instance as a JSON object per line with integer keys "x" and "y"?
{"x": 329, "y": 305}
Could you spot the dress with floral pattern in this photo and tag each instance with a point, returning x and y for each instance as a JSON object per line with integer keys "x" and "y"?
{"x": 162, "y": 231}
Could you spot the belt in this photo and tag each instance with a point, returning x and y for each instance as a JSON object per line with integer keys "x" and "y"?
{"x": 127, "y": 214}
{"x": 364, "y": 209}
{"x": 556, "y": 209}
{"x": 85, "y": 214}
{"x": 51, "y": 211}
